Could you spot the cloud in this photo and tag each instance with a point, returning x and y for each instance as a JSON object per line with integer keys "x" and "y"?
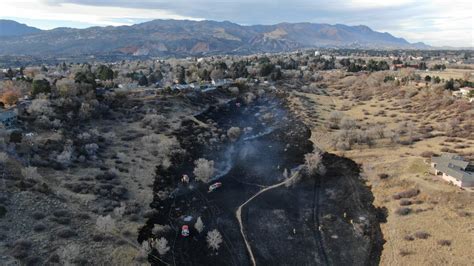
{"x": 436, "y": 22}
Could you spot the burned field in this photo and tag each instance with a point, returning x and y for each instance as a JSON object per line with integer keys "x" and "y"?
{"x": 326, "y": 219}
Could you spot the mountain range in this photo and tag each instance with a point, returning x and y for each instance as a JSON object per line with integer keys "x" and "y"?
{"x": 185, "y": 37}
{"x": 13, "y": 28}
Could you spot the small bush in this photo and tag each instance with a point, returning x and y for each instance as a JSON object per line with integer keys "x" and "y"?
{"x": 407, "y": 193}
{"x": 61, "y": 213}
{"x": 427, "y": 154}
{"x": 404, "y": 252}
{"x": 3, "y": 211}
{"x": 61, "y": 220}
{"x": 21, "y": 248}
{"x": 383, "y": 176}
{"x": 409, "y": 238}
{"x": 403, "y": 211}
{"x": 39, "y": 227}
{"x": 422, "y": 235}
{"x": 38, "y": 215}
{"x": 65, "y": 233}
{"x": 405, "y": 202}
{"x": 444, "y": 242}
{"x": 233, "y": 133}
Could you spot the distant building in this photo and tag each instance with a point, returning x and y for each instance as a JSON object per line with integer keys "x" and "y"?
{"x": 454, "y": 169}
{"x": 221, "y": 82}
{"x": 465, "y": 91}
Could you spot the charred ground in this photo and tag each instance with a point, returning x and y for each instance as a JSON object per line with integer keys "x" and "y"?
{"x": 326, "y": 219}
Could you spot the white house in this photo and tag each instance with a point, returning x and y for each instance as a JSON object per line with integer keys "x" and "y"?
{"x": 454, "y": 169}
{"x": 465, "y": 91}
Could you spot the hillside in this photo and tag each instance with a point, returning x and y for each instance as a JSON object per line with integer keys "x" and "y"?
{"x": 183, "y": 37}
{"x": 13, "y": 28}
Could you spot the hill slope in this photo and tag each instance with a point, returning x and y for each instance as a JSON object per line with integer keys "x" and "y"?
{"x": 13, "y": 28}
{"x": 184, "y": 37}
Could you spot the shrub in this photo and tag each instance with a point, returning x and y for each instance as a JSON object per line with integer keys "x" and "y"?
{"x": 407, "y": 193}
{"x": 3, "y": 157}
{"x": 214, "y": 239}
{"x": 91, "y": 149}
{"x": 233, "y": 133}
{"x": 383, "y": 176}
{"x": 427, "y": 154}
{"x": 39, "y": 227}
{"x": 158, "y": 228}
{"x": 65, "y": 233}
{"x": 20, "y": 248}
{"x": 30, "y": 173}
{"x": 40, "y": 86}
{"x": 65, "y": 157}
{"x": 334, "y": 119}
{"x": 39, "y": 107}
{"x": 422, "y": 235}
{"x": 405, "y": 202}
{"x": 348, "y": 123}
{"x": 444, "y": 242}
{"x": 154, "y": 121}
{"x": 404, "y": 252}
{"x": 3, "y": 211}
{"x": 37, "y": 215}
{"x": 403, "y": 211}
{"x": 105, "y": 224}
{"x": 203, "y": 169}
{"x": 249, "y": 97}
{"x": 409, "y": 238}
{"x": 68, "y": 254}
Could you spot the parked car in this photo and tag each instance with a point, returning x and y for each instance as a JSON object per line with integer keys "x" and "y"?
{"x": 185, "y": 230}
{"x": 214, "y": 186}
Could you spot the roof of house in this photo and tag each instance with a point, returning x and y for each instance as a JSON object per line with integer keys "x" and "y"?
{"x": 455, "y": 166}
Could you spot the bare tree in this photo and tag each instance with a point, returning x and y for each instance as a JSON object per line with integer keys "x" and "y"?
{"x": 68, "y": 254}
{"x": 30, "y": 173}
{"x": 154, "y": 121}
{"x": 158, "y": 228}
{"x": 233, "y": 133}
{"x": 204, "y": 169}
{"x": 348, "y": 123}
{"x": 120, "y": 211}
{"x": 313, "y": 163}
{"x": 3, "y": 157}
{"x": 334, "y": 119}
{"x": 214, "y": 239}
{"x": 105, "y": 224}
{"x": 162, "y": 246}
{"x": 199, "y": 225}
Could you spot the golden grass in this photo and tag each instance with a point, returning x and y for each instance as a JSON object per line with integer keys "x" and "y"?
{"x": 406, "y": 169}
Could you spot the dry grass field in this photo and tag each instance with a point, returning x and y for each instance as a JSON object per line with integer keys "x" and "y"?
{"x": 433, "y": 227}
{"x": 449, "y": 73}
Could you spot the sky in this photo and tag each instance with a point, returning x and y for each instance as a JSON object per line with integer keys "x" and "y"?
{"x": 435, "y": 22}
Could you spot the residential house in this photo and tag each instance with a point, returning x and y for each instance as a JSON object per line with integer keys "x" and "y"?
{"x": 465, "y": 91}
{"x": 454, "y": 169}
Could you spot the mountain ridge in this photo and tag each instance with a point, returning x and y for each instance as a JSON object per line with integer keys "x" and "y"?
{"x": 13, "y": 28}
{"x": 187, "y": 37}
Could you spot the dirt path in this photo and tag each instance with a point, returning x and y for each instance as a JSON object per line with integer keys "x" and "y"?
{"x": 238, "y": 213}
